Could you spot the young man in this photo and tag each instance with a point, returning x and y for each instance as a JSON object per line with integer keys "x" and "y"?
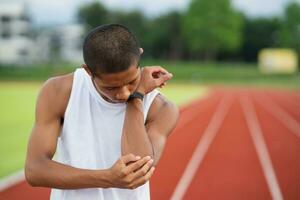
{"x": 106, "y": 122}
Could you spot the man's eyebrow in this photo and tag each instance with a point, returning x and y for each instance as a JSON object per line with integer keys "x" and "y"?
{"x": 115, "y": 86}
{"x": 132, "y": 80}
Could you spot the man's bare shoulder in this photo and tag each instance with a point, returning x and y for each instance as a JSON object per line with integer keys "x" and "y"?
{"x": 56, "y": 93}
{"x": 162, "y": 105}
{"x": 61, "y": 84}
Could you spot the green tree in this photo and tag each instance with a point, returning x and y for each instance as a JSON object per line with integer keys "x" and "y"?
{"x": 164, "y": 37}
{"x": 259, "y": 33}
{"x": 134, "y": 20}
{"x": 93, "y": 15}
{"x": 290, "y": 31}
{"x": 211, "y": 26}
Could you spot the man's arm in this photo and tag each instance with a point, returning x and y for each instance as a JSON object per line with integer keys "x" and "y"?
{"x": 162, "y": 117}
{"x": 41, "y": 170}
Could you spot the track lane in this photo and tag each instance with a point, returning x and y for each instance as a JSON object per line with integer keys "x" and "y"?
{"x": 202, "y": 147}
{"x": 231, "y": 168}
{"x": 22, "y": 191}
{"x": 179, "y": 148}
{"x": 284, "y": 149}
{"x": 287, "y": 102}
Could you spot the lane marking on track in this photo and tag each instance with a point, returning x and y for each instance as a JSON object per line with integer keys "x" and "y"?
{"x": 261, "y": 148}
{"x": 202, "y": 147}
{"x": 281, "y": 98}
{"x": 190, "y": 112}
{"x": 12, "y": 180}
{"x": 280, "y": 114}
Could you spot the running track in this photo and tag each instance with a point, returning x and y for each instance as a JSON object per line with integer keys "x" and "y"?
{"x": 233, "y": 144}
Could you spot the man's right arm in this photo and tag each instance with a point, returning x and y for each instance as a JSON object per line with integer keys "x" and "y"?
{"x": 41, "y": 170}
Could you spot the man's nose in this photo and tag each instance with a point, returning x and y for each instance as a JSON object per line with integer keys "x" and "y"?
{"x": 123, "y": 94}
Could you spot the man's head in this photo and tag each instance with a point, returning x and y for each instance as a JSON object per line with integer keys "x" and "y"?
{"x": 110, "y": 48}
{"x": 111, "y": 54}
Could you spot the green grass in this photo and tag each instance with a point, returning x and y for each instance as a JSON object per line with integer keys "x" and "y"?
{"x": 184, "y": 93}
{"x": 17, "y": 105}
{"x": 233, "y": 74}
{"x": 229, "y": 74}
{"x": 17, "y": 101}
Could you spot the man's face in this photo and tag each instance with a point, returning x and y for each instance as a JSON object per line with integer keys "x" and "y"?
{"x": 117, "y": 87}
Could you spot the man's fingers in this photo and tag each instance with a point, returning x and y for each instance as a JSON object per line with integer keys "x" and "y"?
{"x": 157, "y": 71}
{"x": 162, "y": 79}
{"x": 142, "y": 180}
{"x": 130, "y": 158}
{"x": 143, "y": 171}
{"x": 138, "y": 164}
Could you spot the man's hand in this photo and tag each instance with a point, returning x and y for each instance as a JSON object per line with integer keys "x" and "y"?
{"x": 153, "y": 77}
{"x": 131, "y": 171}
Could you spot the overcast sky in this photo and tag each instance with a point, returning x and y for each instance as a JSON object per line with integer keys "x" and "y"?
{"x": 63, "y": 11}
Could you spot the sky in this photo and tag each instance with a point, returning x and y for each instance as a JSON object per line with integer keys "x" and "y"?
{"x": 64, "y": 11}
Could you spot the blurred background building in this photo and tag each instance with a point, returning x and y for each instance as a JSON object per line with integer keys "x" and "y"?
{"x": 23, "y": 44}
{"x": 17, "y": 45}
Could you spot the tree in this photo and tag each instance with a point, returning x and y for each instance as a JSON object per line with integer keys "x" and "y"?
{"x": 290, "y": 30}
{"x": 259, "y": 33}
{"x": 134, "y": 20}
{"x": 211, "y": 26}
{"x": 93, "y": 15}
{"x": 164, "y": 38}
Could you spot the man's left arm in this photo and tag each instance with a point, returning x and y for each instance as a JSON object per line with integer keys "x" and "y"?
{"x": 162, "y": 119}
{"x": 150, "y": 138}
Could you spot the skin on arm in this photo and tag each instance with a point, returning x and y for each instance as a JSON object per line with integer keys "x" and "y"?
{"x": 162, "y": 119}
{"x": 41, "y": 170}
{"x": 149, "y": 139}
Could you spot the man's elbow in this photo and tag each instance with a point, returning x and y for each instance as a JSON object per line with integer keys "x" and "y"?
{"x": 32, "y": 173}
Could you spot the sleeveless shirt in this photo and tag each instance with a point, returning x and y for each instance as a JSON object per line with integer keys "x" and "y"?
{"x": 91, "y": 139}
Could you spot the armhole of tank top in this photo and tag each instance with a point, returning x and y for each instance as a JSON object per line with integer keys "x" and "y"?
{"x": 67, "y": 111}
{"x": 149, "y": 103}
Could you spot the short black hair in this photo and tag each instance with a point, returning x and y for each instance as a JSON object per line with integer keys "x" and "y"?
{"x": 110, "y": 48}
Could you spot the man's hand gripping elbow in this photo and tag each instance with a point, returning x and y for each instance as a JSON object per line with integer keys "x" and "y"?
{"x": 131, "y": 171}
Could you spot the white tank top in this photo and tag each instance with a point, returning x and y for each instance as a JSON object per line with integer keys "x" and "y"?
{"x": 91, "y": 139}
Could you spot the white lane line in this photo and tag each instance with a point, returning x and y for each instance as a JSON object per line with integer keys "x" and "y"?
{"x": 202, "y": 147}
{"x": 280, "y": 114}
{"x": 282, "y": 98}
{"x": 261, "y": 148}
{"x": 190, "y": 113}
{"x": 12, "y": 180}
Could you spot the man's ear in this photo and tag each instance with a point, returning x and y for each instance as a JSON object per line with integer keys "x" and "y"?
{"x": 85, "y": 67}
{"x": 141, "y": 51}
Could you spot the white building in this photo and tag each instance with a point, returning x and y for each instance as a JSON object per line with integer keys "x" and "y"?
{"x": 16, "y": 46}
{"x": 70, "y": 39}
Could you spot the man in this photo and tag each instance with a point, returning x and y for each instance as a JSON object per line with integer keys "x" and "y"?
{"x": 106, "y": 122}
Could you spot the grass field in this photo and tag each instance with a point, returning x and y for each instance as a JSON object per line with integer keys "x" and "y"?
{"x": 184, "y": 72}
{"x": 17, "y": 105}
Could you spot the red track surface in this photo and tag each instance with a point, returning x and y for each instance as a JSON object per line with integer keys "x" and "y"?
{"x": 233, "y": 165}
